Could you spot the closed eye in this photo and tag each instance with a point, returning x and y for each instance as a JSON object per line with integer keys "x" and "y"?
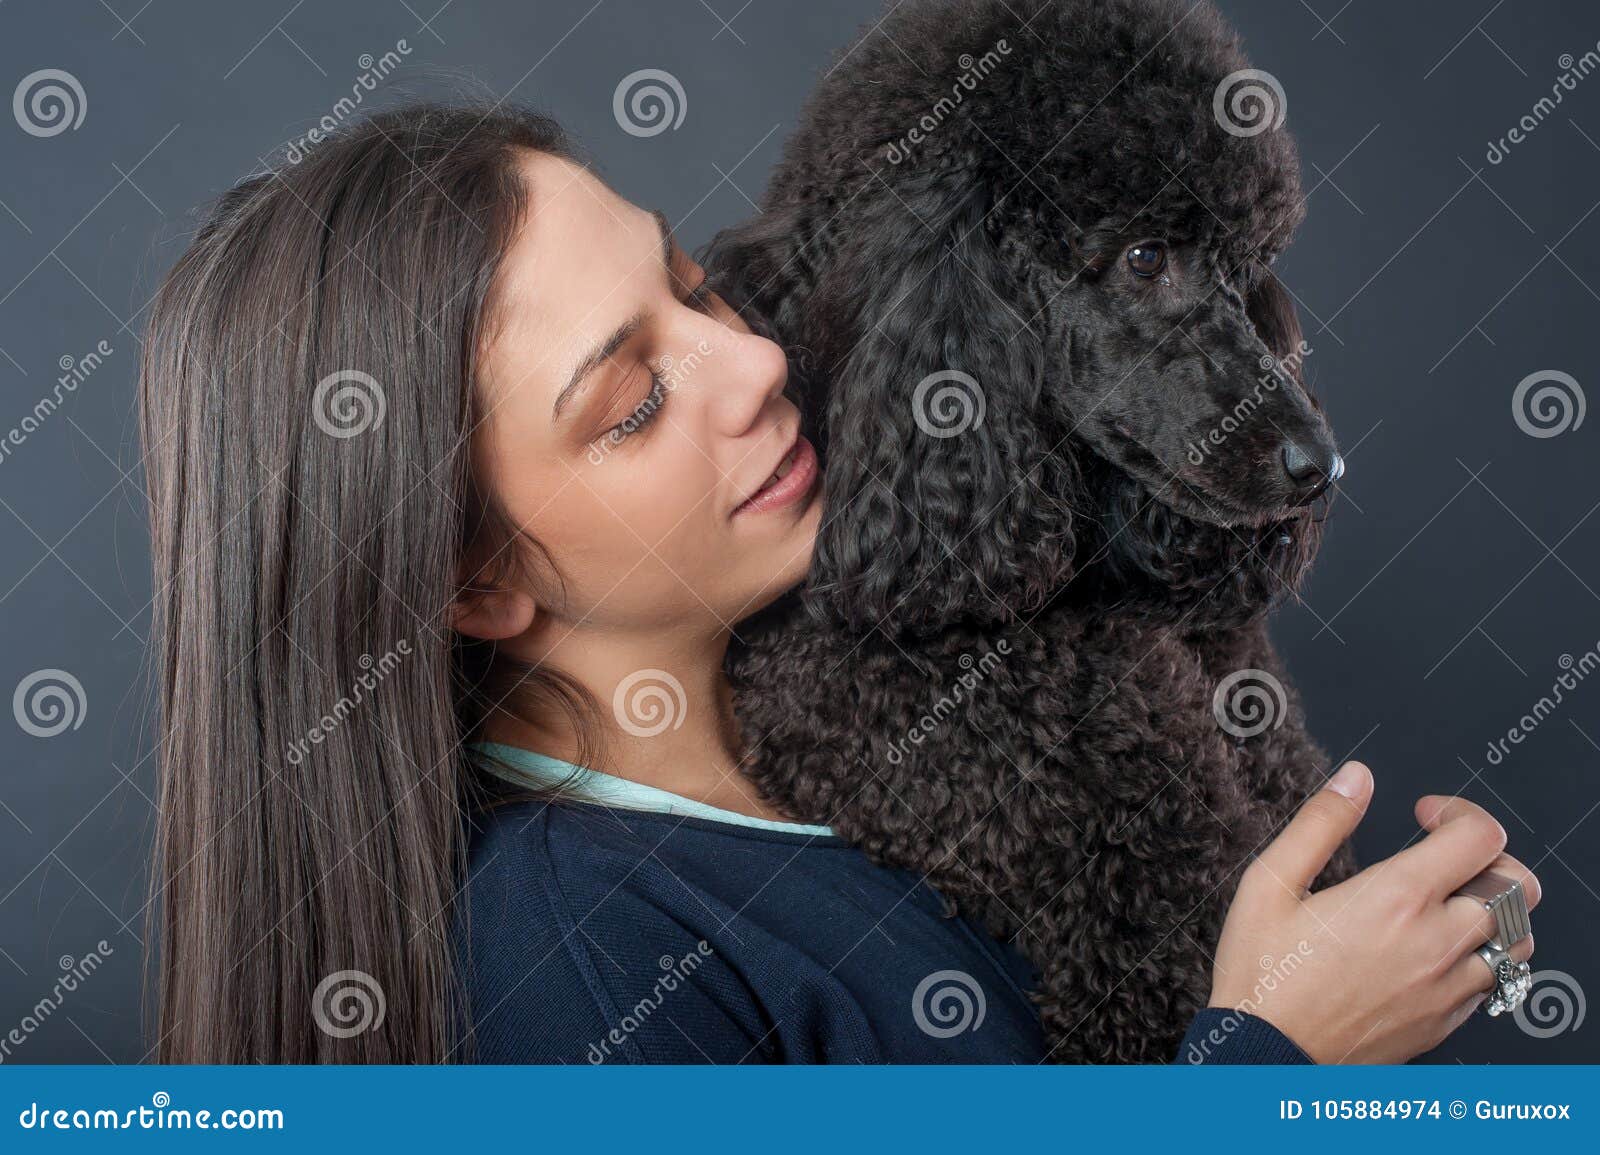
{"x": 702, "y": 298}
{"x": 643, "y": 413}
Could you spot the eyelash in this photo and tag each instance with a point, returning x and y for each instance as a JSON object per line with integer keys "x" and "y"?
{"x": 700, "y": 297}
{"x": 649, "y": 409}
{"x": 643, "y": 413}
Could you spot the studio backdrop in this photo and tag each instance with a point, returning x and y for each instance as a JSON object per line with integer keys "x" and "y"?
{"x": 1447, "y": 278}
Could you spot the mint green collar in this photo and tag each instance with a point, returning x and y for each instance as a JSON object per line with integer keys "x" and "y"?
{"x": 584, "y": 784}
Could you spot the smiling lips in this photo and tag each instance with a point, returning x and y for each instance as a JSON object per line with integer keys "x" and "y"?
{"x": 792, "y": 480}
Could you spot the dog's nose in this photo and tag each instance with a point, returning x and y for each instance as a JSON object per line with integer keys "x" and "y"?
{"x": 1312, "y": 470}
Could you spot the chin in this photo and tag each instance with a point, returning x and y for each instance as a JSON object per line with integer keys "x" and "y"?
{"x": 779, "y": 587}
{"x": 1176, "y": 558}
{"x": 1188, "y": 500}
{"x": 1194, "y": 498}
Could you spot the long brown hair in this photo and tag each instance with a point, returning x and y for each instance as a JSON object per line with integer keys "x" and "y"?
{"x": 307, "y": 400}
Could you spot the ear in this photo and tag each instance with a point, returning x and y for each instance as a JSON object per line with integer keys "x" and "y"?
{"x": 492, "y": 615}
{"x": 944, "y": 475}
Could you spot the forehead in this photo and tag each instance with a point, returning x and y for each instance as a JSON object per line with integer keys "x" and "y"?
{"x": 575, "y": 269}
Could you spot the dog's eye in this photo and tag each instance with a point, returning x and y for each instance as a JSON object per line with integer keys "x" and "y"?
{"x": 1147, "y": 260}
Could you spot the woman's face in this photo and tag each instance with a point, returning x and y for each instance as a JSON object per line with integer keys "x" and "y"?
{"x": 631, "y": 416}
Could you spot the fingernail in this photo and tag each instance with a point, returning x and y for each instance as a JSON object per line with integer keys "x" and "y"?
{"x": 1347, "y": 781}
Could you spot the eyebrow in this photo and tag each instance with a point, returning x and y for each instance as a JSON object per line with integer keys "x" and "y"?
{"x": 606, "y": 349}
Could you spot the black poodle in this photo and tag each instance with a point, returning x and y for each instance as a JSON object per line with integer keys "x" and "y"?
{"x": 1020, "y": 251}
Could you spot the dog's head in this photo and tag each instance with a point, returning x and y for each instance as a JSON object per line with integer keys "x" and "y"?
{"x": 1021, "y": 254}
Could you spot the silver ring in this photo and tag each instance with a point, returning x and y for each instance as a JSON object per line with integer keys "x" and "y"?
{"x": 1503, "y": 898}
{"x": 1512, "y": 979}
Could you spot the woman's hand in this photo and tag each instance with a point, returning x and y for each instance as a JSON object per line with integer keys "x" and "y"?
{"x": 1381, "y": 967}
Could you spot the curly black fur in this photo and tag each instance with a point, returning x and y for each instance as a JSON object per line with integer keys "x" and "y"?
{"x": 1001, "y": 669}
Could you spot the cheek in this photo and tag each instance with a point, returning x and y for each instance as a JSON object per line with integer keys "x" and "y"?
{"x": 661, "y": 487}
{"x": 654, "y": 509}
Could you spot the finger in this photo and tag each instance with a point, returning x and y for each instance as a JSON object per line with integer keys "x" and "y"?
{"x": 1512, "y": 868}
{"x": 1462, "y": 839}
{"x": 1460, "y": 1014}
{"x": 1302, "y": 850}
{"x": 1468, "y": 917}
{"x": 1468, "y": 924}
{"x": 1471, "y": 974}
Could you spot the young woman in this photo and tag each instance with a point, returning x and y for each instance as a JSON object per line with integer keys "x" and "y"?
{"x": 461, "y": 479}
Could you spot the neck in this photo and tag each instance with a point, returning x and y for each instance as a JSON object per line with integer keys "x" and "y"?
{"x": 665, "y": 711}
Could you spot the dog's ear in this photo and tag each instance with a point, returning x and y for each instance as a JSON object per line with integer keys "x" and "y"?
{"x": 943, "y": 491}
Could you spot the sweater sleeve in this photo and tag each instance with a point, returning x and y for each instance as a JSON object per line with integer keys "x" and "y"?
{"x": 1222, "y": 1035}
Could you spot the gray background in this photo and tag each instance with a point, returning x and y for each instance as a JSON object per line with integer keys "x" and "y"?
{"x": 1459, "y": 568}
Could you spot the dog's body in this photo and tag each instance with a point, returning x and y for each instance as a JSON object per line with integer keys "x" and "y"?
{"x": 1004, "y": 669}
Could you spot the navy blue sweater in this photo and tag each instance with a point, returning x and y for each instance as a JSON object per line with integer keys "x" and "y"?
{"x": 594, "y": 934}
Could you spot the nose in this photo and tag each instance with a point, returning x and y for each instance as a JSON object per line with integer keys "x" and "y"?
{"x": 1312, "y": 469}
{"x": 745, "y": 372}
